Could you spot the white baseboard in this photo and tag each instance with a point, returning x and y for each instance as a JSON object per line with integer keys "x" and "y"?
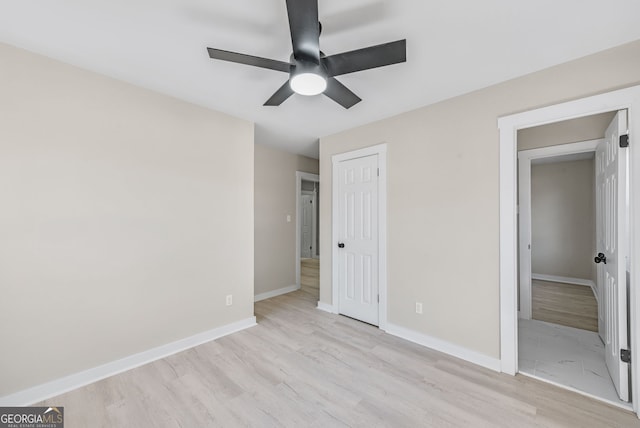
{"x": 327, "y": 308}
{"x": 444, "y": 347}
{"x": 68, "y": 383}
{"x": 274, "y": 293}
{"x": 567, "y": 280}
{"x": 562, "y": 279}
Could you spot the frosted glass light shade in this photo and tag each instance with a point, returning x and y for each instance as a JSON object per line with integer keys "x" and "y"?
{"x": 308, "y": 83}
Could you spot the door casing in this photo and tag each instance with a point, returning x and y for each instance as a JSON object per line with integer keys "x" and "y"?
{"x": 381, "y": 151}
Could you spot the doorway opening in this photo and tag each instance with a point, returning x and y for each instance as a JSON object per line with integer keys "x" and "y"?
{"x": 562, "y": 324}
{"x": 307, "y": 233}
{"x": 615, "y": 234}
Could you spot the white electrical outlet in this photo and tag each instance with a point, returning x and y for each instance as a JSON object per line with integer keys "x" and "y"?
{"x": 418, "y": 308}
{"x": 288, "y": 218}
{"x": 229, "y": 300}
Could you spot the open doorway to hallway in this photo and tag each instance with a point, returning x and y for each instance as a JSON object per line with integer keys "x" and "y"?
{"x": 307, "y": 233}
{"x": 569, "y": 313}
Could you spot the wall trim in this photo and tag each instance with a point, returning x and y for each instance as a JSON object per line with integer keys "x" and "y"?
{"x": 274, "y": 293}
{"x": 444, "y": 347}
{"x": 68, "y": 383}
{"x": 327, "y": 308}
{"x": 563, "y": 279}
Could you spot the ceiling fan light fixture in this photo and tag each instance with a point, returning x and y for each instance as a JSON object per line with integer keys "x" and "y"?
{"x": 310, "y": 71}
{"x": 308, "y": 83}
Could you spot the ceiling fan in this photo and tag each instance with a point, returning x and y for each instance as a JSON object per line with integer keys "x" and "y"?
{"x": 310, "y": 71}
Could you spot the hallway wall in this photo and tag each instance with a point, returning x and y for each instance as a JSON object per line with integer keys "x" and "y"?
{"x": 563, "y": 229}
{"x": 275, "y": 199}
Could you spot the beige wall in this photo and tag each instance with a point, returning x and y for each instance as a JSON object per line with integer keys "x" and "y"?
{"x": 275, "y": 198}
{"x": 127, "y": 217}
{"x": 563, "y": 236}
{"x": 443, "y": 222}
{"x": 568, "y": 131}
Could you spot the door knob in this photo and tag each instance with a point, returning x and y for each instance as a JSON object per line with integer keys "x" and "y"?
{"x": 340, "y": 244}
{"x": 600, "y": 258}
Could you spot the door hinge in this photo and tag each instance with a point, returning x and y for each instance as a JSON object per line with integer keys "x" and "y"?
{"x": 378, "y": 298}
{"x": 625, "y": 355}
{"x": 624, "y": 141}
{"x": 378, "y": 172}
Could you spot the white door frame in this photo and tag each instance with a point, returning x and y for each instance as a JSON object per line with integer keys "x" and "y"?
{"x": 628, "y": 98}
{"x": 299, "y": 177}
{"x": 381, "y": 151}
{"x": 524, "y": 209}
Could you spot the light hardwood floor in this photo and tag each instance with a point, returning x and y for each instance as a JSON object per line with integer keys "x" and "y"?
{"x": 301, "y": 367}
{"x": 565, "y": 304}
{"x": 310, "y": 276}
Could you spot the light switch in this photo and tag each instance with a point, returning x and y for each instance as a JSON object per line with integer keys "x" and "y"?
{"x": 288, "y": 218}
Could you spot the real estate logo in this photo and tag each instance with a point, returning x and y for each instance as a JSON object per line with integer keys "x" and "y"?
{"x": 31, "y": 417}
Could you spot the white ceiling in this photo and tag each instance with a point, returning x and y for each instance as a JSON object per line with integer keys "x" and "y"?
{"x": 453, "y": 47}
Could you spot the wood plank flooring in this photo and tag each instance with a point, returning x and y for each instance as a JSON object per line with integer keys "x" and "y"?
{"x": 565, "y": 304}
{"x": 310, "y": 276}
{"x": 301, "y": 367}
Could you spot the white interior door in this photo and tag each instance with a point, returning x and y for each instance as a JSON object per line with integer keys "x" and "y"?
{"x": 612, "y": 245}
{"x": 358, "y": 238}
{"x": 600, "y": 241}
{"x": 306, "y": 225}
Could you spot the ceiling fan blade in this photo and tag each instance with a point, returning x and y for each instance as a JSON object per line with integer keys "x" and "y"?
{"x": 256, "y": 61}
{"x": 341, "y": 94}
{"x": 305, "y": 30}
{"x": 366, "y": 58}
{"x": 280, "y": 95}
